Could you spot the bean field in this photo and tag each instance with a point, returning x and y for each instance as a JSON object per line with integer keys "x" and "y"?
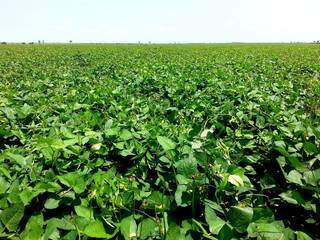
{"x": 194, "y": 141}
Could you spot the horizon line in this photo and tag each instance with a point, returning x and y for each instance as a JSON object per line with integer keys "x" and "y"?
{"x": 42, "y": 42}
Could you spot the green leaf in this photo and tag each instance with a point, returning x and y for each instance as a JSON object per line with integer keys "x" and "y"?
{"x": 166, "y": 143}
{"x": 72, "y": 235}
{"x": 274, "y": 230}
{"x": 48, "y": 187}
{"x": 83, "y": 211}
{"x": 174, "y": 233}
{"x": 28, "y": 194}
{"x": 128, "y": 227}
{"x": 4, "y": 185}
{"x": 260, "y": 122}
{"x": 215, "y": 206}
{"x": 303, "y": 236}
{"x": 310, "y": 148}
{"x": 11, "y": 216}
{"x": 95, "y": 229}
{"x": 226, "y": 232}
{"x": 235, "y": 180}
{"x": 74, "y": 180}
{"x": 240, "y": 217}
{"x": 205, "y": 132}
{"x": 280, "y": 144}
{"x": 62, "y": 223}
{"x": 187, "y": 166}
{"x": 52, "y": 203}
{"x": 312, "y": 177}
{"x": 292, "y": 197}
{"x": 81, "y": 223}
{"x": 96, "y": 147}
{"x": 215, "y": 223}
{"x": 17, "y": 158}
{"x": 25, "y": 110}
{"x": 294, "y": 177}
{"x": 125, "y": 135}
{"x": 34, "y": 228}
{"x": 182, "y": 197}
{"x": 147, "y": 228}
{"x": 50, "y": 142}
{"x": 262, "y": 215}
{"x": 157, "y": 201}
{"x": 53, "y": 225}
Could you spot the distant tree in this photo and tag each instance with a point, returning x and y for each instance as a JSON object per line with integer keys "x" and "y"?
{"x": 70, "y": 41}
{"x": 3, "y": 42}
{"x": 39, "y": 41}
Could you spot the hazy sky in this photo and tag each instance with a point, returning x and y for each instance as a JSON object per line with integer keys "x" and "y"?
{"x": 160, "y": 20}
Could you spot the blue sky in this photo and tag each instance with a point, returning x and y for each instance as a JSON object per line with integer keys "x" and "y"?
{"x": 160, "y": 20}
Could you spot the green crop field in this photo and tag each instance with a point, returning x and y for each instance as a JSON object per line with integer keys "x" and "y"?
{"x": 176, "y": 142}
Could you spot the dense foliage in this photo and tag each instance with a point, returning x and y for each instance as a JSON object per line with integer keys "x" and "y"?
{"x": 160, "y": 142}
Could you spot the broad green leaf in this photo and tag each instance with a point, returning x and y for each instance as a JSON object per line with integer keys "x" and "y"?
{"x": 51, "y": 232}
{"x": 125, "y": 135}
{"x": 226, "y": 232}
{"x": 50, "y": 142}
{"x": 262, "y": 215}
{"x": 96, "y": 147}
{"x": 166, "y": 143}
{"x": 53, "y": 224}
{"x": 12, "y": 216}
{"x": 215, "y": 223}
{"x": 83, "y": 211}
{"x": 4, "y": 185}
{"x": 182, "y": 197}
{"x": 34, "y": 228}
{"x": 26, "y": 110}
{"x": 205, "y": 132}
{"x": 17, "y": 158}
{"x": 157, "y": 201}
{"x": 48, "y": 187}
{"x": 128, "y": 228}
{"x": 310, "y": 148}
{"x": 95, "y": 229}
{"x": 81, "y": 223}
{"x": 28, "y": 194}
{"x": 174, "y": 233}
{"x": 187, "y": 166}
{"x": 72, "y": 235}
{"x": 240, "y": 217}
{"x": 235, "y": 180}
{"x": 294, "y": 177}
{"x": 292, "y": 197}
{"x": 312, "y": 177}
{"x": 303, "y": 236}
{"x": 273, "y": 230}
{"x": 52, "y": 203}
{"x": 70, "y": 142}
{"x": 74, "y": 180}
{"x": 62, "y": 223}
{"x": 147, "y": 228}
{"x": 215, "y": 206}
